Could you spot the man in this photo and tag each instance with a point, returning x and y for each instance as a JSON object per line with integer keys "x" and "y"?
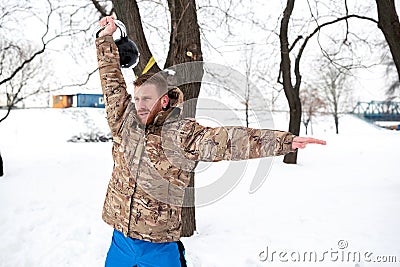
{"x": 154, "y": 152}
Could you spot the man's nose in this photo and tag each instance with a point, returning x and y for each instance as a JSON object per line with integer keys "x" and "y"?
{"x": 140, "y": 104}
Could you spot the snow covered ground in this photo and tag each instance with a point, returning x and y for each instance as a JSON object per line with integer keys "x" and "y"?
{"x": 339, "y": 200}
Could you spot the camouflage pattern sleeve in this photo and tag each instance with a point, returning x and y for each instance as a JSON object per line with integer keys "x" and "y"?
{"x": 113, "y": 84}
{"x": 201, "y": 143}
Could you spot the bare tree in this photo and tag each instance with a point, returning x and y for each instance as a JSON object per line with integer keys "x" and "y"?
{"x": 285, "y": 74}
{"x": 311, "y": 103}
{"x": 390, "y": 27}
{"x": 31, "y": 80}
{"x": 22, "y": 60}
{"x": 248, "y": 72}
{"x": 8, "y": 72}
{"x": 48, "y": 37}
{"x": 291, "y": 91}
{"x": 335, "y": 85}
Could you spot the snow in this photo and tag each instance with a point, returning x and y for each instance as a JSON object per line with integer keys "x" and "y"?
{"x": 52, "y": 193}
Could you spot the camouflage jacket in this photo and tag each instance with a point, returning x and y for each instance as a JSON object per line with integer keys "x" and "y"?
{"x": 152, "y": 164}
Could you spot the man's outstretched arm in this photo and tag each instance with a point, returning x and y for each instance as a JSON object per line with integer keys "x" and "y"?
{"x": 202, "y": 143}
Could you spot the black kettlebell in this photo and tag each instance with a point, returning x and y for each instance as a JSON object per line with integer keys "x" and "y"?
{"x": 128, "y": 51}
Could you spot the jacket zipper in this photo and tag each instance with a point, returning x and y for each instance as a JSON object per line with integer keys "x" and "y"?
{"x": 136, "y": 179}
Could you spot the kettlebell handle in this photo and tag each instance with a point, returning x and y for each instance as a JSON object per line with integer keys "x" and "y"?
{"x": 120, "y": 25}
{"x": 128, "y": 51}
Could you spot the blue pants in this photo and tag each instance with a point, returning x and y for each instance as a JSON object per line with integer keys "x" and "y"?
{"x": 129, "y": 252}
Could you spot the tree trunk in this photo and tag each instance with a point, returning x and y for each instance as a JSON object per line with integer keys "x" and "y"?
{"x": 1, "y": 166}
{"x": 291, "y": 92}
{"x": 185, "y": 47}
{"x": 336, "y": 123}
{"x": 8, "y": 113}
{"x": 247, "y": 113}
{"x": 128, "y": 13}
{"x": 294, "y": 128}
{"x": 306, "y": 125}
{"x": 390, "y": 26}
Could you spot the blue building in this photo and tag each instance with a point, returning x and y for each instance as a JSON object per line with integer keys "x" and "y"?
{"x": 90, "y": 100}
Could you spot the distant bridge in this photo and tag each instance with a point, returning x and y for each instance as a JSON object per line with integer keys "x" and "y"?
{"x": 378, "y": 110}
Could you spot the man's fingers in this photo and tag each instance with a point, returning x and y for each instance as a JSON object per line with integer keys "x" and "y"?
{"x": 108, "y": 26}
{"x": 107, "y": 20}
{"x": 298, "y": 145}
{"x": 309, "y": 140}
{"x": 103, "y": 21}
{"x": 316, "y": 141}
{"x": 110, "y": 20}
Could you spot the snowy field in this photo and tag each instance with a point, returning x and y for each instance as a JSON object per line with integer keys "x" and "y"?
{"x": 339, "y": 200}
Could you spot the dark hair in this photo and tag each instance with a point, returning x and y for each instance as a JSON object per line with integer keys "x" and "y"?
{"x": 153, "y": 78}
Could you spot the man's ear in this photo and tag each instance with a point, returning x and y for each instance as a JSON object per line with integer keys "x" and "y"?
{"x": 164, "y": 101}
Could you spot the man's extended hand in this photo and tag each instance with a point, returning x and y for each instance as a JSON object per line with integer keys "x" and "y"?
{"x": 301, "y": 142}
{"x": 109, "y": 26}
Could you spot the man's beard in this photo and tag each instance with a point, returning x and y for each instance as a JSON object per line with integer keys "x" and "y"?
{"x": 143, "y": 115}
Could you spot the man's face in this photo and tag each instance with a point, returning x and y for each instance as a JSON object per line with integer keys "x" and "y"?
{"x": 148, "y": 102}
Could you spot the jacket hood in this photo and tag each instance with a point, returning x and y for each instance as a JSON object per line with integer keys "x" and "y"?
{"x": 175, "y": 108}
{"x": 175, "y": 97}
{"x": 174, "y": 111}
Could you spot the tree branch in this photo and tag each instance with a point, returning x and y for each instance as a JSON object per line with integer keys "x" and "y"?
{"x": 75, "y": 84}
{"x": 100, "y": 8}
{"x": 27, "y": 61}
{"x": 295, "y": 42}
{"x": 317, "y": 29}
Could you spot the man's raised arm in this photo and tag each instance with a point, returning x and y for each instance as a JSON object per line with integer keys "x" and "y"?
{"x": 113, "y": 84}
